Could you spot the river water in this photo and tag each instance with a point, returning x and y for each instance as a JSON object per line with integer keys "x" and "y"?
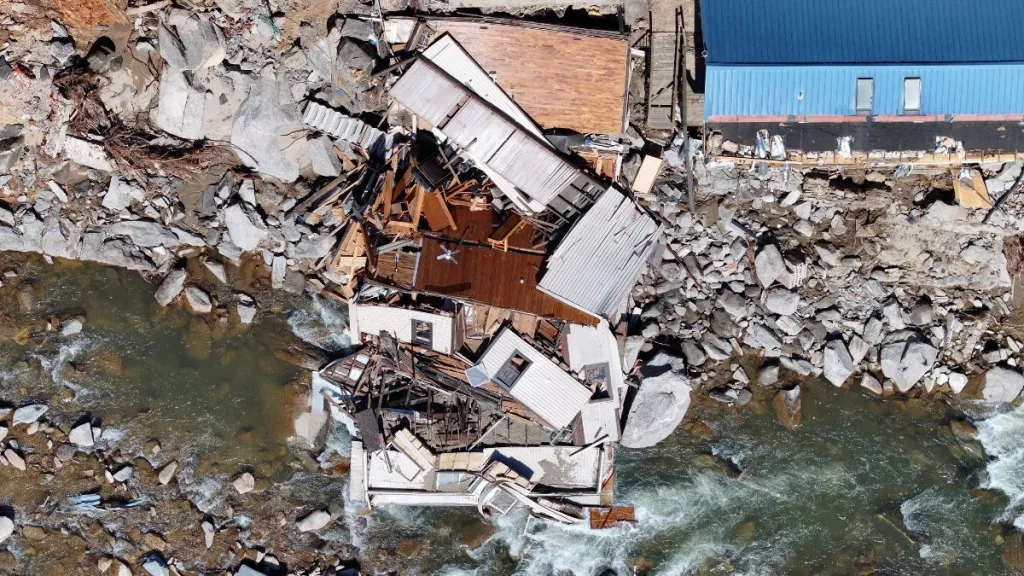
{"x": 862, "y": 484}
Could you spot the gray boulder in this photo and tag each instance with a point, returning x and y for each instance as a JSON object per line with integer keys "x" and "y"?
{"x": 198, "y": 300}
{"x": 172, "y": 285}
{"x": 1002, "y": 384}
{"x": 906, "y": 358}
{"x": 313, "y": 521}
{"x": 658, "y": 408}
{"x": 189, "y": 41}
{"x": 245, "y": 227}
{"x": 838, "y": 362}
{"x": 781, "y": 301}
{"x": 769, "y": 265}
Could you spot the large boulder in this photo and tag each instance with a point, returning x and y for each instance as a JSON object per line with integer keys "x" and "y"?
{"x": 906, "y": 358}
{"x": 189, "y": 41}
{"x": 245, "y": 227}
{"x": 263, "y": 132}
{"x": 839, "y": 363}
{"x": 1002, "y": 384}
{"x": 658, "y": 408}
{"x": 769, "y": 265}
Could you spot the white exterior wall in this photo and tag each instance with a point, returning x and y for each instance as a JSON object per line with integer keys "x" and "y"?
{"x": 372, "y": 320}
{"x": 543, "y": 388}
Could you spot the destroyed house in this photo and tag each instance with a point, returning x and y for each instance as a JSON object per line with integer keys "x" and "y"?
{"x": 887, "y": 75}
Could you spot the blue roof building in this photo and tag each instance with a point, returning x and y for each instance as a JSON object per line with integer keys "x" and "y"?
{"x": 931, "y": 66}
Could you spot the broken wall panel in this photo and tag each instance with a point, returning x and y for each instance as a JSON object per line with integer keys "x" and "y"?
{"x": 540, "y": 384}
{"x": 433, "y": 331}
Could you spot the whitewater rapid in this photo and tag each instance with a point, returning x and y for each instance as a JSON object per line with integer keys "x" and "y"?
{"x": 1002, "y": 436}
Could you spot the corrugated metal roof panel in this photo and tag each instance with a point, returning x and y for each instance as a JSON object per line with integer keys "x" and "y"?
{"x": 543, "y": 387}
{"x": 862, "y": 32}
{"x": 597, "y": 263}
{"x": 830, "y": 90}
{"x": 525, "y": 164}
{"x": 453, "y": 59}
{"x": 429, "y": 95}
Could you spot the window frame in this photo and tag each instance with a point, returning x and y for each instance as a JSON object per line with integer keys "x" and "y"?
{"x": 507, "y": 368}
{"x": 870, "y": 82}
{"x": 416, "y": 333}
{"x": 906, "y": 82}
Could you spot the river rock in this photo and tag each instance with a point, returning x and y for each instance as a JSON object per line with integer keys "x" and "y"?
{"x": 964, "y": 430}
{"x": 71, "y": 326}
{"x": 1002, "y": 384}
{"x": 244, "y": 483}
{"x": 167, "y": 473}
{"x": 208, "y": 533}
{"x": 14, "y": 459}
{"x": 781, "y": 301}
{"x": 838, "y": 362}
{"x": 658, "y": 408}
{"x": 6, "y": 528}
{"x": 769, "y": 265}
{"x": 123, "y": 474}
{"x": 172, "y": 285}
{"x": 871, "y": 383}
{"x": 29, "y": 414}
{"x": 81, "y": 436}
{"x": 198, "y": 300}
{"x": 217, "y": 269}
{"x": 313, "y": 521}
{"x": 906, "y": 358}
{"x": 246, "y": 309}
{"x": 957, "y": 382}
{"x": 788, "y": 407}
{"x": 245, "y": 228}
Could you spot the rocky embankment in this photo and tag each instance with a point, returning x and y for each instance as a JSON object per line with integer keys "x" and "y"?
{"x": 866, "y": 279}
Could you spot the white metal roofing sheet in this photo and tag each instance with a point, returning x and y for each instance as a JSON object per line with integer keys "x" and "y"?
{"x": 598, "y": 262}
{"x": 370, "y": 319}
{"x": 453, "y": 59}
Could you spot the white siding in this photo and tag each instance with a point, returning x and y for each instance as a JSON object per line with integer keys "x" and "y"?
{"x": 372, "y": 320}
{"x": 543, "y": 387}
{"x": 598, "y": 262}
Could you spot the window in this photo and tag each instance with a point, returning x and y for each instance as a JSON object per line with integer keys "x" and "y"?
{"x": 911, "y": 95}
{"x": 511, "y": 370}
{"x": 422, "y": 333}
{"x": 865, "y": 95}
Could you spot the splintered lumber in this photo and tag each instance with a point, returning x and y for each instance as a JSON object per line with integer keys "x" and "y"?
{"x": 610, "y": 517}
{"x": 435, "y": 210}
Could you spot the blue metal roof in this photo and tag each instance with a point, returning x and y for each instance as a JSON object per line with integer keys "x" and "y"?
{"x": 831, "y": 90}
{"x": 862, "y": 31}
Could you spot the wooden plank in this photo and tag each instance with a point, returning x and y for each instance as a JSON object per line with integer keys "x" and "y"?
{"x": 436, "y": 212}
